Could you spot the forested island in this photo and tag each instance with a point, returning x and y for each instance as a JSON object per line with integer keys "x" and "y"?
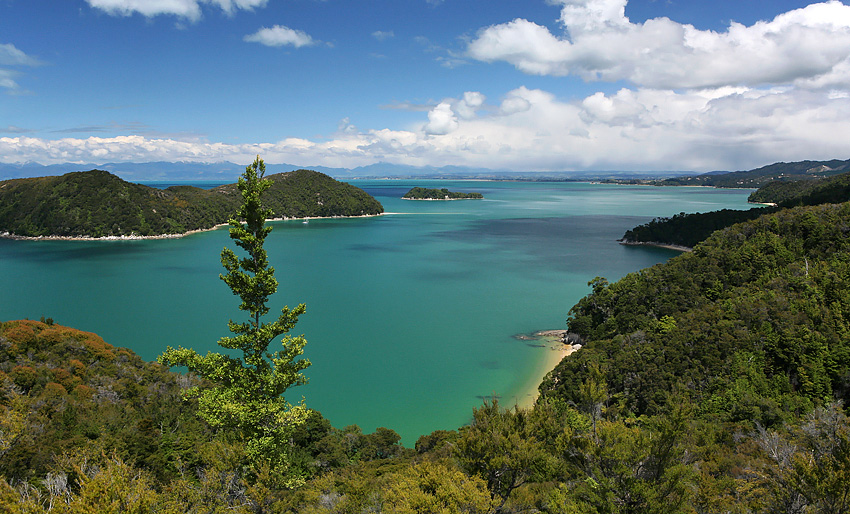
{"x": 421, "y": 193}
{"x": 98, "y": 204}
{"x": 715, "y": 382}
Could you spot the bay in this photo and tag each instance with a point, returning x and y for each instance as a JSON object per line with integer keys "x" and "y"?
{"x": 410, "y": 316}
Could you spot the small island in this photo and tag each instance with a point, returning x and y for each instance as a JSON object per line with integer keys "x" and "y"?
{"x": 422, "y": 193}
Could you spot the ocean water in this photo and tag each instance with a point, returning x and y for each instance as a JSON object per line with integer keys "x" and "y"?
{"x": 410, "y": 316}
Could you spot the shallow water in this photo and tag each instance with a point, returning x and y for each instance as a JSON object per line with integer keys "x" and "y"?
{"x": 410, "y": 315}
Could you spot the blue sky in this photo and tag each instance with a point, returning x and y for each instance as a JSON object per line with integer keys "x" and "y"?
{"x": 499, "y": 84}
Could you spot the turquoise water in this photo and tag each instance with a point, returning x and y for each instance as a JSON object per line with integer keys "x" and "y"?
{"x": 410, "y": 316}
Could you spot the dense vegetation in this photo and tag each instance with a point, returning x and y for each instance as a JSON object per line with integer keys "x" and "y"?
{"x": 753, "y": 322}
{"x": 689, "y": 229}
{"x": 98, "y": 204}
{"x": 422, "y": 193}
{"x": 802, "y": 170}
{"x": 715, "y": 382}
{"x": 804, "y": 192}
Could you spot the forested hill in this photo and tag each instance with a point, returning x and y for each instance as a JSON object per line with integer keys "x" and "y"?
{"x": 804, "y": 192}
{"x": 753, "y": 323}
{"x": 689, "y": 229}
{"x": 802, "y": 170}
{"x": 97, "y": 203}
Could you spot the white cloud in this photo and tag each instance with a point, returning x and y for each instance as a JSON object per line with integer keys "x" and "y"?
{"x": 280, "y": 36}
{"x": 383, "y": 35}
{"x": 12, "y": 56}
{"x": 7, "y": 79}
{"x": 808, "y": 44}
{"x": 530, "y": 129}
{"x": 469, "y": 104}
{"x": 189, "y": 9}
{"x": 441, "y": 120}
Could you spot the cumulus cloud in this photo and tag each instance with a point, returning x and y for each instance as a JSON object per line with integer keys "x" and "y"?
{"x": 441, "y": 120}
{"x": 189, "y": 9}
{"x": 530, "y": 129}
{"x": 600, "y": 43}
{"x": 280, "y": 36}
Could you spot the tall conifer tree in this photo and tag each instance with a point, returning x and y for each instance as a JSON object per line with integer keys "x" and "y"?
{"x": 247, "y": 396}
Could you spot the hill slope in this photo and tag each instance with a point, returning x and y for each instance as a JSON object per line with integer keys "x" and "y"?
{"x": 805, "y": 192}
{"x": 99, "y": 204}
{"x": 802, "y": 170}
{"x": 755, "y": 321}
{"x": 689, "y": 229}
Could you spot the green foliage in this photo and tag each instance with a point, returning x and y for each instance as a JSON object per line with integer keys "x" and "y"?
{"x": 688, "y": 229}
{"x": 86, "y": 393}
{"x": 503, "y": 448}
{"x": 246, "y": 398}
{"x": 761, "y": 315}
{"x": 435, "y": 488}
{"x": 96, "y": 203}
{"x": 809, "y": 192}
{"x": 421, "y": 193}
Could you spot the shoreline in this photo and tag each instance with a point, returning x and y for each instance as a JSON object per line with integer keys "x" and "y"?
{"x": 678, "y": 248}
{"x": 133, "y": 237}
{"x": 438, "y": 199}
{"x": 555, "y": 349}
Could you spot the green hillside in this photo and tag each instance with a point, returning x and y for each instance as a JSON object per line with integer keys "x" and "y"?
{"x": 99, "y": 204}
{"x": 754, "y": 322}
{"x": 689, "y": 229}
{"x": 804, "y": 192}
{"x": 802, "y": 170}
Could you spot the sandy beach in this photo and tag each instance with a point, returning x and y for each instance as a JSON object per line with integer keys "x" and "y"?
{"x": 658, "y": 245}
{"x": 555, "y": 350}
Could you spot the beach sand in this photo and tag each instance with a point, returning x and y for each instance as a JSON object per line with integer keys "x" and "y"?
{"x": 555, "y": 350}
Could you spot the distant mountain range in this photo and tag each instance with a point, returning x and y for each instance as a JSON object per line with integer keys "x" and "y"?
{"x": 228, "y": 171}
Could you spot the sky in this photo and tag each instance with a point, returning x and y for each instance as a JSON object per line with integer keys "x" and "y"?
{"x": 519, "y": 85}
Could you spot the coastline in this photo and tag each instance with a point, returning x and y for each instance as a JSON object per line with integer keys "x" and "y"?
{"x": 555, "y": 350}
{"x": 658, "y": 245}
{"x": 133, "y": 237}
{"x": 438, "y": 199}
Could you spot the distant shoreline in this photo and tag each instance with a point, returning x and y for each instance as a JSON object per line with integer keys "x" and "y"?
{"x": 133, "y": 237}
{"x": 438, "y": 199}
{"x": 667, "y": 246}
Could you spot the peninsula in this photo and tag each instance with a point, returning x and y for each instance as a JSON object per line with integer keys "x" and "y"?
{"x": 97, "y": 204}
{"x": 421, "y": 193}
